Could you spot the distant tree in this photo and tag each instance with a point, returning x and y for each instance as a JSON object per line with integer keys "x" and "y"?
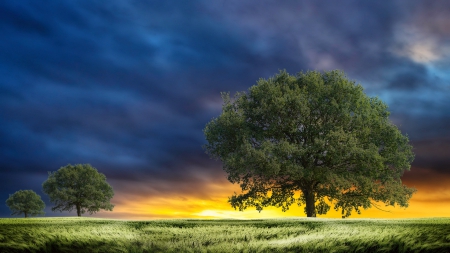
{"x": 315, "y": 133}
{"x": 25, "y": 202}
{"x": 78, "y": 186}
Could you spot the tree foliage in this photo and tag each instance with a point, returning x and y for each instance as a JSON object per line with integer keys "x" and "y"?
{"x": 25, "y": 202}
{"x": 316, "y": 133}
{"x": 78, "y": 186}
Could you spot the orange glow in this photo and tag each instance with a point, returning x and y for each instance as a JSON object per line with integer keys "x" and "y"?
{"x": 429, "y": 201}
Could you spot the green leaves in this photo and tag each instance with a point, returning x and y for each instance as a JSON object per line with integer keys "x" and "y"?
{"x": 25, "y": 202}
{"x": 315, "y": 131}
{"x": 79, "y": 187}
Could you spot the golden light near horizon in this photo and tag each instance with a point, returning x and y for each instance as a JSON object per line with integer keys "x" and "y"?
{"x": 426, "y": 202}
{"x": 220, "y": 209}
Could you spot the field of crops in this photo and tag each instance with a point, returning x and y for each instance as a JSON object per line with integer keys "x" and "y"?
{"x": 272, "y": 235}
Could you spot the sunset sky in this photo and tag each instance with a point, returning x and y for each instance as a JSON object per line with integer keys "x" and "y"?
{"x": 128, "y": 86}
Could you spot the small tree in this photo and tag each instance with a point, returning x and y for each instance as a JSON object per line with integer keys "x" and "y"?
{"x": 25, "y": 202}
{"x": 314, "y": 133}
{"x": 78, "y": 186}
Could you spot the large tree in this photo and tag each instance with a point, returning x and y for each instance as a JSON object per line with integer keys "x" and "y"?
{"x": 25, "y": 202}
{"x": 316, "y": 133}
{"x": 78, "y": 186}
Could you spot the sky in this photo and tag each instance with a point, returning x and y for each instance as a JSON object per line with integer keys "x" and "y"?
{"x": 128, "y": 87}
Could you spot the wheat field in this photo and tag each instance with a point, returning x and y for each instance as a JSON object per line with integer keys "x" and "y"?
{"x": 192, "y": 235}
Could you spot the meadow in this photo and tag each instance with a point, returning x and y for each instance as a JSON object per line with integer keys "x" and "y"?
{"x": 191, "y": 235}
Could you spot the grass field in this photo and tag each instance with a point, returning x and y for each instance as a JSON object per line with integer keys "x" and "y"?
{"x": 271, "y": 235}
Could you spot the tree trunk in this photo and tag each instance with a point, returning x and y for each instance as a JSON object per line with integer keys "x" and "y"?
{"x": 310, "y": 203}
{"x": 26, "y": 214}
{"x": 78, "y": 210}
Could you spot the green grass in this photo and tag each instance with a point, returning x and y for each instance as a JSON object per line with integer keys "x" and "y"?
{"x": 271, "y": 235}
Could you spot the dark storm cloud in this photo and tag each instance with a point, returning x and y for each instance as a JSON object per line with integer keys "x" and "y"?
{"x": 411, "y": 78}
{"x": 433, "y": 154}
{"x": 129, "y": 86}
{"x": 187, "y": 179}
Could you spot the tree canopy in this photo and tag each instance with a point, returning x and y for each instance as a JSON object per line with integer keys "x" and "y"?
{"x": 316, "y": 133}
{"x": 25, "y": 202}
{"x": 78, "y": 186}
